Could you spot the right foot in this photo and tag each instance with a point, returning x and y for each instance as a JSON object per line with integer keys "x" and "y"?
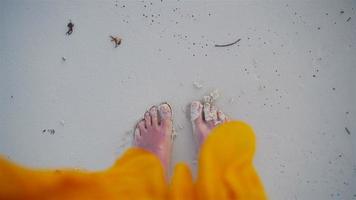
{"x": 204, "y": 119}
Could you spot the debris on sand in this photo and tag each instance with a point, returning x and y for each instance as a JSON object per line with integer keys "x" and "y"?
{"x": 64, "y": 59}
{"x": 211, "y": 97}
{"x": 232, "y": 100}
{"x": 198, "y": 85}
{"x": 347, "y": 131}
{"x": 348, "y": 19}
{"x": 179, "y": 127}
{"x": 70, "y": 26}
{"x": 226, "y": 45}
{"x": 50, "y": 131}
{"x": 174, "y": 135}
{"x": 61, "y": 122}
{"x": 115, "y": 40}
{"x": 124, "y": 141}
{"x": 175, "y": 131}
{"x": 184, "y": 109}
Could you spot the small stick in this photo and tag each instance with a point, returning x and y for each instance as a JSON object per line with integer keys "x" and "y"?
{"x": 348, "y": 19}
{"x": 226, "y": 45}
{"x": 347, "y": 131}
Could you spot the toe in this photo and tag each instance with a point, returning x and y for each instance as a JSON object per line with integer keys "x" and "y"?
{"x": 221, "y": 116}
{"x": 137, "y": 136}
{"x": 214, "y": 112}
{"x": 141, "y": 126}
{"x": 212, "y": 116}
{"x": 165, "y": 112}
{"x": 139, "y": 130}
{"x": 227, "y": 119}
{"x": 147, "y": 120}
{"x": 154, "y": 116}
{"x": 196, "y": 112}
{"x": 206, "y": 112}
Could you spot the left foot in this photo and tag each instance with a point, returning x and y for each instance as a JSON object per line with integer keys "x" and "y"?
{"x": 154, "y": 133}
{"x": 204, "y": 118}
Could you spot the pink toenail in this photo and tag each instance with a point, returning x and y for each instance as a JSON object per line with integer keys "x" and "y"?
{"x": 153, "y": 109}
{"x": 165, "y": 111}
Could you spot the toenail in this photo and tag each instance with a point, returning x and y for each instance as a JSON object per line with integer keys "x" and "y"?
{"x": 153, "y": 109}
{"x": 195, "y": 110}
{"x": 165, "y": 111}
{"x": 165, "y": 108}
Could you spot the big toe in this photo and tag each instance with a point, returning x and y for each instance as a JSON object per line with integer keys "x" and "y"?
{"x": 166, "y": 114}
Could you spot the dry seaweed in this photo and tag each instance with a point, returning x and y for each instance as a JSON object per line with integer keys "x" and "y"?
{"x": 115, "y": 40}
{"x": 70, "y": 26}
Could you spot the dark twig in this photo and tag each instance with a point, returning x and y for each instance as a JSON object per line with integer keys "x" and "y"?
{"x": 347, "y": 131}
{"x": 226, "y": 45}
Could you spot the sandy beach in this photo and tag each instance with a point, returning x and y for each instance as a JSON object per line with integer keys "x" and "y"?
{"x": 73, "y": 100}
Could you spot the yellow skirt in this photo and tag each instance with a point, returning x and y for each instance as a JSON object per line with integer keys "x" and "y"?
{"x": 225, "y": 171}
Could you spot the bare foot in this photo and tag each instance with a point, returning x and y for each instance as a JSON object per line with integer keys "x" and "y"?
{"x": 154, "y": 133}
{"x": 204, "y": 119}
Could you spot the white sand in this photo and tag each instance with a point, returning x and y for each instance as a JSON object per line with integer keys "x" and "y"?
{"x": 266, "y": 79}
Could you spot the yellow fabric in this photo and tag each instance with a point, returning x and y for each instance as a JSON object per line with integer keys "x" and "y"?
{"x": 225, "y": 171}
